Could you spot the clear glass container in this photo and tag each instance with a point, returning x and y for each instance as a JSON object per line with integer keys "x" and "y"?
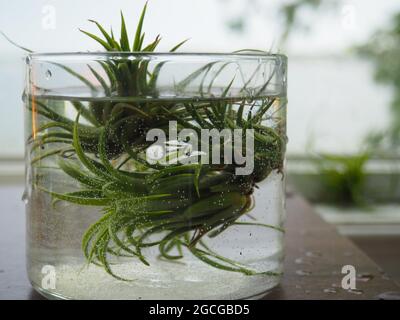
{"x": 155, "y": 176}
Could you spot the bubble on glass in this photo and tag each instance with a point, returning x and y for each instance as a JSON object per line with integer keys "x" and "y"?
{"x": 25, "y": 198}
{"x": 48, "y": 75}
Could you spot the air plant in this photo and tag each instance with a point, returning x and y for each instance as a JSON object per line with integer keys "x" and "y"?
{"x": 171, "y": 207}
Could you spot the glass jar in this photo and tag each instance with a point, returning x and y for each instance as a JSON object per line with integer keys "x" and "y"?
{"x": 155, "y": 176}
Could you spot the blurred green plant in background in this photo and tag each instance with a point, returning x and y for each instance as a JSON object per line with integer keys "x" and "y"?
{"x": 384, "y": 50}
{"x": 344, "y": 177}
{"x": 288, "y": 11}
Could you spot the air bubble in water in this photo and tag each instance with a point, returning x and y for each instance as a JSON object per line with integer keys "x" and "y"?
{"x": 24, "y": 96}
{"x": 48, "y": 75}
{"x": 25, "y": 197}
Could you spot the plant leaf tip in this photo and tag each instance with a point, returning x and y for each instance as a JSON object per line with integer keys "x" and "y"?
{"x": 14, "y": 43}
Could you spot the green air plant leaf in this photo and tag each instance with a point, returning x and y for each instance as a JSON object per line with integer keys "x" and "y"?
{"x": 102, "y": 148}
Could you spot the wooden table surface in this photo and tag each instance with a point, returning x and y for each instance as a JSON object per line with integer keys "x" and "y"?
{"x": 315, "y": 255}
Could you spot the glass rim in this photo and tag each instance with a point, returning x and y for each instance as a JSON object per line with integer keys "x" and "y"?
{"x": 248, "y": 55}
{"x": 267, "y": 71}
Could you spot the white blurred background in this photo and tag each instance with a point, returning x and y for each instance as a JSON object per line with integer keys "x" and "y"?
{"x": 333, "y": 98}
